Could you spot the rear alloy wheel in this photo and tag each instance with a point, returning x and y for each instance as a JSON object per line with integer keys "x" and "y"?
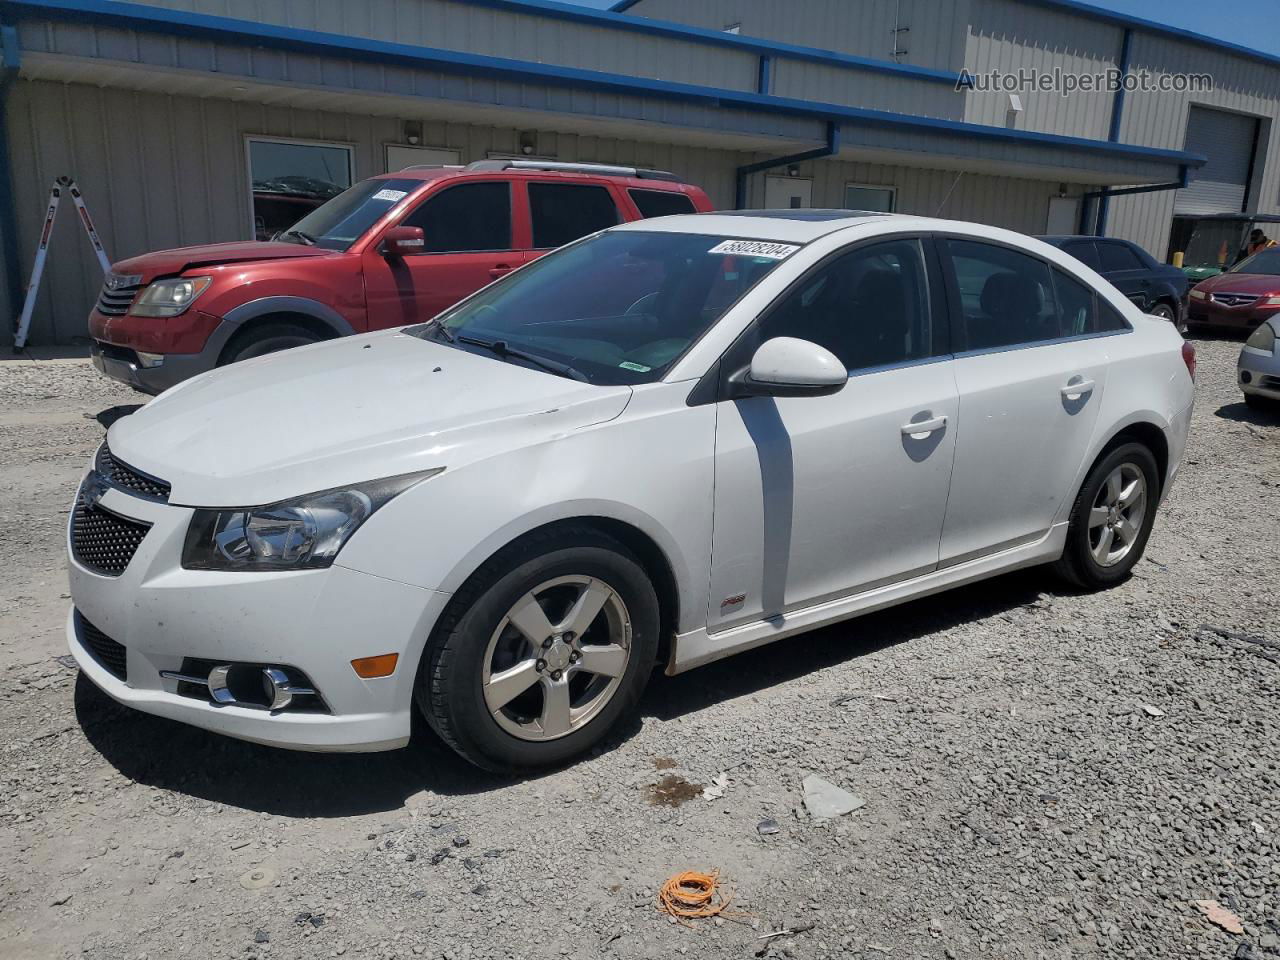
{"x": 1166, "y": 312}
{"x": 541, "y": 651}
{"x": 1112, "y": 518}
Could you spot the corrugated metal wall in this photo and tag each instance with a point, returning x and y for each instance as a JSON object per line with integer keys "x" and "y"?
{"x": 863, "y": 28}
{"x": 162, "y": 171}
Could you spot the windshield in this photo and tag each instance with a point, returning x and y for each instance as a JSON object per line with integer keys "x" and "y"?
{"x": 1264, "y": 262}
{"x": 617, "y": 308}
{"x": 340, "y": 222}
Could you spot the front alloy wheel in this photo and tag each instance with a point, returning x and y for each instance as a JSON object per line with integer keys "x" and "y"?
{"x": 541, "y": 651}
{"x": 557, "y": 658}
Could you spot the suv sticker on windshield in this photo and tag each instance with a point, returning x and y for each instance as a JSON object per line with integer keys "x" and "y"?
{"x": 755, "y": 248}
{"x": 392, "y": 195}
{"x": 637, "y": 367}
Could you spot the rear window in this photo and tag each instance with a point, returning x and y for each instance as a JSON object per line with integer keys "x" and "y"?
{"x": 563, "y": 212}
{"x": 1083, "y": 250}
{"x": 1118, "y": 256}
{"x": 661, "y": 203}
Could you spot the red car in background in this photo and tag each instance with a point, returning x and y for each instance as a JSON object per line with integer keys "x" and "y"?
{"x": 1241, "y": 298}
{"x": 390, "y": 251}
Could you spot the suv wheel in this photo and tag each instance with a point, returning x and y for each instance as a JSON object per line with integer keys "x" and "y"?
{"x": 1111, "y": 518}
{"x": 271, "y": 338}
{"x": 542, "y": 651}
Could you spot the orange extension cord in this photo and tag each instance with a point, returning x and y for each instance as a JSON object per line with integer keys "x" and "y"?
{"x": 692, "y": 895}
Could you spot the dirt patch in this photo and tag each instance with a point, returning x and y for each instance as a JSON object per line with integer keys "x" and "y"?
{"x": 672, "y": 791}
{"x": 663, "y": 763}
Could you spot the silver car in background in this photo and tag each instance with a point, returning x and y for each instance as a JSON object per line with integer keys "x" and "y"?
{"x": 1258, "y": 369}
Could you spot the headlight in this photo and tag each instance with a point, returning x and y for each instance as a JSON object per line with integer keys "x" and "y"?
{"x": 1197, "y": 294}
{"x": 1264, "y": 338}
{"x": 295, "y": 534}
{"x": 1271, "y": 302}
{"x": 168, "y": 298}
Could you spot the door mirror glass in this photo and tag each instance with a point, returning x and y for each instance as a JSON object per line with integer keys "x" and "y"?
{"x": 403, "y": 241}
{"x": 788, "y": 367}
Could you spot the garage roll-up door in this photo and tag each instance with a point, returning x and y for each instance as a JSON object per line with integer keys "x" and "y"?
{"x": 1222, "y": 184}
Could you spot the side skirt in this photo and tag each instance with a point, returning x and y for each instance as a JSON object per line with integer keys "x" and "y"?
{"x": 698, "y": 647}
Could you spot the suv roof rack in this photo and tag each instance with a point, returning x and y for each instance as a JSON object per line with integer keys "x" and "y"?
{"x": 603, "y": 169}
{"x": 431, "y": 166}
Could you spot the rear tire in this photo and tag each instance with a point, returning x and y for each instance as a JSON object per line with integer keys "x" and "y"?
{"x": 1111, "y": 519}
{"x": 508, "y": 698}
{"x": 270, "y": 338}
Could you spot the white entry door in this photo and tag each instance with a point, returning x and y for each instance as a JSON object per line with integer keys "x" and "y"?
{"x": 1064, "y": 216}
{"x": 787, "y": 193}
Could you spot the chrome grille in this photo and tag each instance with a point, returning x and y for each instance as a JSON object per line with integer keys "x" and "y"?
{"x": 117, "y": 294}
{"x": 135, "y": 481}
{"x": 107, "y": 652}
{"x": 1234, "y": 299}
{"x": 103, "y": 541}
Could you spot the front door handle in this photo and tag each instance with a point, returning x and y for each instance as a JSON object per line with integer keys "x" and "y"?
{"x": 1076, "y": 389}
{"x": 922, "y": 428}
{"x": 499, "y": 270}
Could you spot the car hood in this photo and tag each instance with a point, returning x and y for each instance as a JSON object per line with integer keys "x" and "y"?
{"x": 165, "y": 263}
{"x": 346, "y": 411}
{"x": 1258, "y": 283}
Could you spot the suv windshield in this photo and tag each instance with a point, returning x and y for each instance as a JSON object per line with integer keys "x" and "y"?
{"x": 616, "y": 308}
{"x": 1263, "y": 262}
{"x": 338, "y": 223}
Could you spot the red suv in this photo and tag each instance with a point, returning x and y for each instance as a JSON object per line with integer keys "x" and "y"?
{"x": 390, "y": 251}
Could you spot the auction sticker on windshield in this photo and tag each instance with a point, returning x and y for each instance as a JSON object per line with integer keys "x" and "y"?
{"x": 755, "y": 248}
{"x": 392, "y": 195}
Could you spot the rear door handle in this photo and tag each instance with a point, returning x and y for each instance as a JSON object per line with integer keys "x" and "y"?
{"x": 1076, "y": 389}
{"x": 922, "y": 428}
{"x": 499, "y": 270}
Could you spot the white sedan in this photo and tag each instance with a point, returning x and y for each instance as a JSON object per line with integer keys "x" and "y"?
{"x": 661, "y": 445}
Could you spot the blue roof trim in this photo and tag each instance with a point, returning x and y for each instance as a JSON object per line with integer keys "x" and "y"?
{"x": 205, "y": 26}
{"x": 679, "y": 31}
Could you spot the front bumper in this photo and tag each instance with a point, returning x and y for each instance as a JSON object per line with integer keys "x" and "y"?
{"x": 1258, "y": 373}
{"x": 121, "y": 363}
{"x": 316, "y": 621}
{"x": 1208, "y": 313}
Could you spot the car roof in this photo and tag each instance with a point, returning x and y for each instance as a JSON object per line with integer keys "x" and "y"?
{"x": 786, "y": 226}
{"x": 1057, "y": 238}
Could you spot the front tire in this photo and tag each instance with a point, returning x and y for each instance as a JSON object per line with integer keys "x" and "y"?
{"x": 271, "y": 338}
{"x": 543, "y": 650}
{"x": 1111, "y": 519}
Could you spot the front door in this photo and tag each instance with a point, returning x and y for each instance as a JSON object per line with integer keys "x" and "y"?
{"x": 1031, "y": 370}
{"x": 820, "y": 497}
{"x": 467, "y": 230}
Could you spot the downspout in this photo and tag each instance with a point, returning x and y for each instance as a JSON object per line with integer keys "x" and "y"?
{"x": 832, "y": 148}
{"x": 1117, "y": 115}
{"x": 12, "y": 265}
{"x": 1184, "y": 177}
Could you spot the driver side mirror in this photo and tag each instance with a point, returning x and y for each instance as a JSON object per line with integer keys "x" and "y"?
{"x": 788, "y": 367}
{"x": 402, "y": 241}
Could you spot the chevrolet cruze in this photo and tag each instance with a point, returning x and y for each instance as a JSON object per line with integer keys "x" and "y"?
{"x": 661, "y": 445}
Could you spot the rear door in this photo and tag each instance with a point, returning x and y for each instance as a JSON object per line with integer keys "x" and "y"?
{"x": 469, "y": 242}
{"x": 1126, "y": 271}
{"x": 1031, "y": 369}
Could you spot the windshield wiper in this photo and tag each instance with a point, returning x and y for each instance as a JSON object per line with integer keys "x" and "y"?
{"x": 438, "y": 326}
{"x": 501, "y": 349}
{"x": 302, "y": 235}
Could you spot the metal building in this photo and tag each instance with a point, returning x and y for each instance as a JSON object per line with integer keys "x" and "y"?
{"x": 189, "y": 121}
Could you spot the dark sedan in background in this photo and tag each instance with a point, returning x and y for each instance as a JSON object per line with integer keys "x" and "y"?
{"x": 1157, "y": 288}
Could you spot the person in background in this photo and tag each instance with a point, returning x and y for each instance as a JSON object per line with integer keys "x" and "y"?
{"x": 1257, "y": 241}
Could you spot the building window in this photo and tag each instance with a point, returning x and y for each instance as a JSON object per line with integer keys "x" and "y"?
{"x": 290, "y": 178}
{"x": 862, "y": 196}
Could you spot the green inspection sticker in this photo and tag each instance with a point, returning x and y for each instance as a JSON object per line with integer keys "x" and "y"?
{"x": 637, "y": 367}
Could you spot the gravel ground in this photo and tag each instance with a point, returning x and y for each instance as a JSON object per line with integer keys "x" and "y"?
{"x": 1045, "y": 774}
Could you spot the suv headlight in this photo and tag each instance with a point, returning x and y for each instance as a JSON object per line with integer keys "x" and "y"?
{"x": 303, "y": 533}
{"x": 168, "y": 298}
{"x": 1263, "y": 338}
